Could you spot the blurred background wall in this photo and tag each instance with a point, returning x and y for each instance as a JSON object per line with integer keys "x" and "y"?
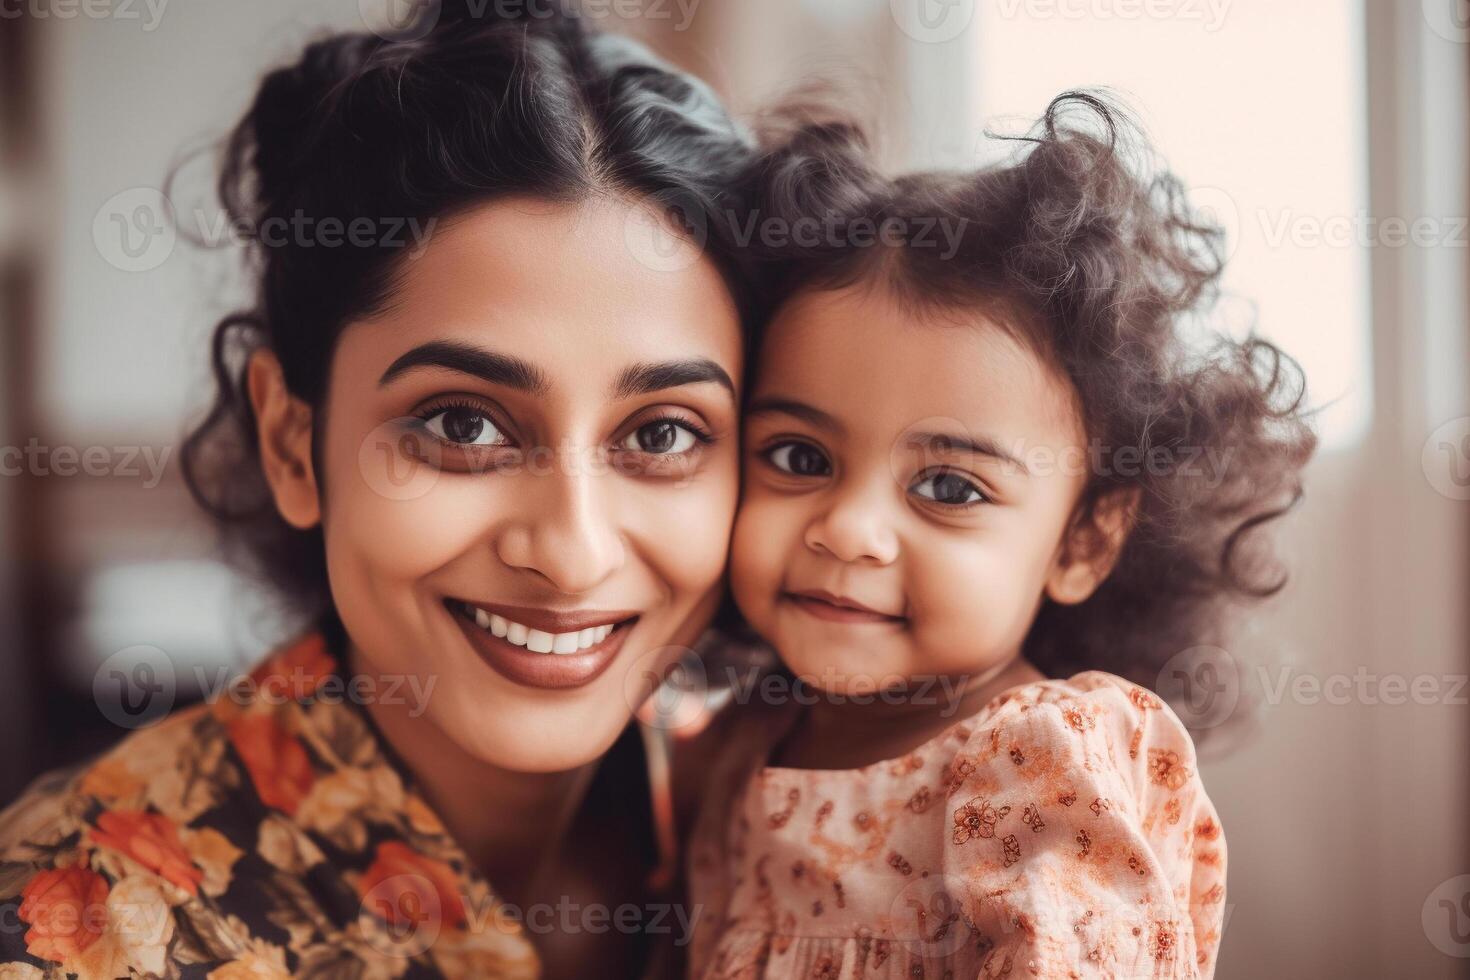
{"x": 1330, "y": 136}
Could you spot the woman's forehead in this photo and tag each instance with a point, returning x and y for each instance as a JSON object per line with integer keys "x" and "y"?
{"x": 559, "y": 285}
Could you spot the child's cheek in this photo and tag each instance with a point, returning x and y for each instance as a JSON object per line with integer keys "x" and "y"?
{"x": 760, "y": 548}
{"x": 970, "y": 604}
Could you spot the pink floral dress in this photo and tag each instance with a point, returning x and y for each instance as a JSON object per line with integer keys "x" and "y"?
{"x": 1062, "y": 831}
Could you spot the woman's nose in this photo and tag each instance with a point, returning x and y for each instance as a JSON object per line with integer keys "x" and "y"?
{"x": 854, "y": 527}
{"x": 566, "y": 531}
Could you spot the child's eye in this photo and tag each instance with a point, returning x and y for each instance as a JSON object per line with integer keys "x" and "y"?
{"x": 462, "y": 425}
{"x": 799, "y": 459}
{"x": 950, "y": 489}
{"x": 662, "y": 437}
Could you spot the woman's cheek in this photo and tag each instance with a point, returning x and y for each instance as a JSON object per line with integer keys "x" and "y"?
{"x": 405, "y": 516}
{"x": 683, "y": 530}
{"x": 413, "y": 535}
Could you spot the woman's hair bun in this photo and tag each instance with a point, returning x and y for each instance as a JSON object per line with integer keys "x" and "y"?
{"x": 294, "y": 102}
{"x": 288, "y": 107}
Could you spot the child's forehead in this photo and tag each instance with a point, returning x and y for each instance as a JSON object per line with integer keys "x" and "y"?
{"x": 861, "y": 348}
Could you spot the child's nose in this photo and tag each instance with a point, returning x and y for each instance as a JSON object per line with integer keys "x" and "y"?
{"x": 854, "y": 528}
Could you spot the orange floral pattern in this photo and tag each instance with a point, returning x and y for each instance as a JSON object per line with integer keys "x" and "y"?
{"x": 297, "y": 670}
{"x": 404, "y": 885}
{"x": 152, "y": 840}
{"x": 277, "y": 763}
{"x": 66, "y": 910}
{"x": 244, "y": 837}
{"x": 1010, "y": 878}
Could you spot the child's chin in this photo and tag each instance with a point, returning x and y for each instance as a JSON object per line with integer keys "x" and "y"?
{"x": 836, "y": 676}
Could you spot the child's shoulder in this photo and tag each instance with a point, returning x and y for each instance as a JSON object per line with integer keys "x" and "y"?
{"x": 1079, "y": 701}
{"x": 1096, "y": 692}
{"x": 1093, "y": 719}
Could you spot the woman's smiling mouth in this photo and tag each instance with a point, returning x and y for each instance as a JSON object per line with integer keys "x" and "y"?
{"x": 543, "y": 648}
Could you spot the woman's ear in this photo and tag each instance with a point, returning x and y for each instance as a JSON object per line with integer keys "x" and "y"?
{"x": 283, "y": 423}
{"x": 1091, "y": 547}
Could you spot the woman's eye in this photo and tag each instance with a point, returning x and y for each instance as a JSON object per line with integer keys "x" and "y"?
{"x": 661, "y": 438}
{"x": 465, "y": 427}
{"x": 951, "y": 489}
{"x": 799, "y": 459}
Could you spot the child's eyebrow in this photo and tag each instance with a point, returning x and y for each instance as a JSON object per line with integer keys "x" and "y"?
{"x": 796, "y": 409}
{"x": 979, "y": 445}
{"x": 944, "y": 442}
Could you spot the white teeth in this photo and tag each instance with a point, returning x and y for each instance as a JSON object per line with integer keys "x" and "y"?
{"x": 540, "y": 641}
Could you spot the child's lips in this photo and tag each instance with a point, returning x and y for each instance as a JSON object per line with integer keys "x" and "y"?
{"x": 836, "y": 609}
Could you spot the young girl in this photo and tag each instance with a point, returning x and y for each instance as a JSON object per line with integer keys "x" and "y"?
{"x": 987, "y": 479}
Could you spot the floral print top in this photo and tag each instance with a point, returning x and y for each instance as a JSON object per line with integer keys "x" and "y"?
{"x": 1062, "y": 831}
{"x": 250, "y": 836}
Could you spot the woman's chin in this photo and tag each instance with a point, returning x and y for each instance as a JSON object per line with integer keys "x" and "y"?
{"x": 539, "y": 739}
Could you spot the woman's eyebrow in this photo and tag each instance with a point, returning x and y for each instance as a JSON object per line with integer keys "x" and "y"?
{"x": 646, "y": 378}
{"x": 494, "y": 367}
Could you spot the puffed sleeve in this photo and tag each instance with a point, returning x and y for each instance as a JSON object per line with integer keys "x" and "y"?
{"x": 1082, "y": 841}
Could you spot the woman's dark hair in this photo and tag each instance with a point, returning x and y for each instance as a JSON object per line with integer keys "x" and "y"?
{"x": 1091, "y": 254}
{"x": 478, "y": 107}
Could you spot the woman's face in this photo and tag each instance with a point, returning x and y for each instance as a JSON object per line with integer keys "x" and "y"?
{"x": 530, "y": 471}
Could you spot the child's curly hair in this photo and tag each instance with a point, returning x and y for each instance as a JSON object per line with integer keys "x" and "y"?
{"x": 1093, "y": 255}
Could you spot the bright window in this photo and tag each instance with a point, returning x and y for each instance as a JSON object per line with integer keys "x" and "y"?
{"x": 1259, "y": 107}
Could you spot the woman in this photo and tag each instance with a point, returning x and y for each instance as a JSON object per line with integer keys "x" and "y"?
{"x": 497, "y": 468}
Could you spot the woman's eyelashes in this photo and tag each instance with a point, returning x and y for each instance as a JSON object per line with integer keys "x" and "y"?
{"x": 950, "y": 489}
{"x": 462, "y": 424}
{"x": 469, "y": 436}
{"x": 666, "y": 436}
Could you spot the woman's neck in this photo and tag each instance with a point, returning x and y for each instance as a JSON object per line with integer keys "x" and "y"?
{"x": 510, "y": 824}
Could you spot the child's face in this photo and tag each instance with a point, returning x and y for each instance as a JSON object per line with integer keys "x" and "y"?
{"x": 950, "y": 548}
